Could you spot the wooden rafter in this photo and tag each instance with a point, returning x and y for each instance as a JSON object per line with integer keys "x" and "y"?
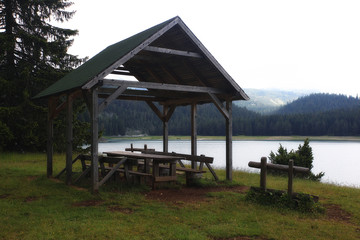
{"x": 163, "y": 86}
{"x": 172, "y": 51}
{"x": 129, "y": 55}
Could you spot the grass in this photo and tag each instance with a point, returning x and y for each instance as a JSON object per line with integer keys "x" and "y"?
{"x": 34, "y": 207}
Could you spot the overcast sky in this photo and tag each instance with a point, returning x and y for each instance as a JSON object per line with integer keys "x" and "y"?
{"x": 282, "y": 44}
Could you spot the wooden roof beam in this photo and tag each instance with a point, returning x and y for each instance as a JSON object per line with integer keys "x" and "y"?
{"x": 172, "y": 51}
{"x": 163, "y": 86}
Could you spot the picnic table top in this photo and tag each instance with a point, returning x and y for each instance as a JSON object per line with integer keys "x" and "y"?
{"x": 153, "y": 156}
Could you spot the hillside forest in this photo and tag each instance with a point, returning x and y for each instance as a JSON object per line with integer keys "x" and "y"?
{"x": 312, "y": 115}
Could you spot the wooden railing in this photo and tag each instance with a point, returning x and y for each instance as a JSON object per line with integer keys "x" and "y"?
{"x": 291, "y": 169}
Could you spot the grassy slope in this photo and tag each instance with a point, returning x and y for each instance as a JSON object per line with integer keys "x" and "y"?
{"x": 34, "y": 207}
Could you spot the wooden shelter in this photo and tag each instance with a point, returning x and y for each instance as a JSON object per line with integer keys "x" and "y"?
{"x": 169, "y": 66}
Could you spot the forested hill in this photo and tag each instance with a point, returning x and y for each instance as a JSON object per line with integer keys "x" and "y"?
{"x": 314, "y": 115}
{"x": 319, "y": 102}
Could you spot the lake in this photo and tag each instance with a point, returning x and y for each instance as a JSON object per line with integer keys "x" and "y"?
{"x": 338, "y": 159}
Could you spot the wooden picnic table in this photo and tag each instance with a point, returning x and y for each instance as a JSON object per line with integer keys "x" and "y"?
{"x": 156, "y": 160}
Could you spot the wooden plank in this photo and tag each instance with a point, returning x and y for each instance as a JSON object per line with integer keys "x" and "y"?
{"x": 165, "y": 130}
{"x": 165, "y": 178}
{"x": 212, "y": 171}
{"x": 170, "y": 112}
{"x": 263, "y": 173}
{"x": 155, "y": 109}
{"x": 94, "y": 141}
{"x": 129, "y": 55}
{"x": 280, "y": 167}
{"x": 50, "y": 139}
{"x": 189, "y": 157}
{"x": 291, "y": 176}
{"x": 211, "y": 58}
{"x": 112, "y": 97}
{"x": 219, "y": 105}
{"x": 228, "y": 147}
{"x": 69, "y": 138}
{"x": 64, "y": 170}
{"x": 112, "y": 171}
{"x": 163, "y": 86}
{"x": 172, "y": 51}
{"x": 83, "y": 174}
{"x": 193, "y": 134}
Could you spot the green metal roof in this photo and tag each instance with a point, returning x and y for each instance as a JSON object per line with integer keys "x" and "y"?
{"x": 100, "y": 62}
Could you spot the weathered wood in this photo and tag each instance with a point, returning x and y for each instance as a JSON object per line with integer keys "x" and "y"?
{"x": 69, "y": 138}
{"x": 290, "y": 177}
{"x": 172, "y": 51}
{"x": 193, "y": 135}
{"x": 163, "y": 86}
{"x": 229, "y": 129}
{"x": 129, "y": 55}
{"x": 85, "y": 172}
{"x": 165, "y": 130}
{"x": 155, "y": 109}
{"x": 50, "y": 140}
{"x": 212, "y": 171}
{"x": 112, "y": 171}
{"x": 189, "y": 157}
{"x": 209, "y": 56}
{"x": 112, "y": 97}
{"x": 263, "y": 173}
{"x": 165, "y": 178}
{"x": 64, "y": 170}
{"x": 219, "y": 105}
{"x": 94, "y": 141}
{"x": 279, "y": 167}
{"x": 290, "y": 169}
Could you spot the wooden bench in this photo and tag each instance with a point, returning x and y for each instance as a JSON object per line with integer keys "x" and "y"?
{"x": 190, "y": 173}
{"x": 194, "y": 158}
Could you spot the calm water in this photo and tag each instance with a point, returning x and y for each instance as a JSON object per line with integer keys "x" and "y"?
{"x": 338, "y": 159}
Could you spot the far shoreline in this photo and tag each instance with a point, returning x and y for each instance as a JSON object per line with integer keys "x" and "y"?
{"x": 238, "y": 138}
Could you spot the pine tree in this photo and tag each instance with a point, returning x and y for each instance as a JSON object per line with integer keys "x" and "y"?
{"x": 33, "y": 55}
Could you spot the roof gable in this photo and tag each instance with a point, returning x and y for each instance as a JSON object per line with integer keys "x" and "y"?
{"x": 168, "y": 53}
{"x": 100, "y": 62}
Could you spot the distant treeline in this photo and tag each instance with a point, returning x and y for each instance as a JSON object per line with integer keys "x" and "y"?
{"x": 315, "y": 115}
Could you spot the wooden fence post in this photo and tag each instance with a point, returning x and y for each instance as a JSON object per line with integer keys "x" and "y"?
{"x": 263, "y": 173}
{"x": 291, "y": 175}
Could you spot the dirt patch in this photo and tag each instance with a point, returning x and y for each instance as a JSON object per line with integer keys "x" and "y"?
{"x": 120, "y": 209}
{"x": 4, "y": 196}
{"x": 188, "y": 194}
{"x": 334, "y": 212}
{"x": 87, "y": 203}
{"x": 31, "y": 178}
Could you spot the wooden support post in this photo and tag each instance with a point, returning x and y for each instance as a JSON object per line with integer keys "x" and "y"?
{"x": 50, "y": 140}
{"x": 193, "y": 135}
{"x": 291, "y": 176}
{"x": 229, "y": 141}
{"x": 94, "y": 141}
{"x": 69, "y": 138}
{"x": 165, "y": 130}
{"x": 263, "y": 173}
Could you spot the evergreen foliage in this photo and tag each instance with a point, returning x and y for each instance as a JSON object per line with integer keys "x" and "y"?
{"x": 302, "y": 157}
{"x": 33, "y": 55}
{"x": 122, "y": 116}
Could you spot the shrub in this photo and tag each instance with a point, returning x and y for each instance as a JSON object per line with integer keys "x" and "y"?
{"x": 303, "y": 157}
{"x": 301, "y": 202}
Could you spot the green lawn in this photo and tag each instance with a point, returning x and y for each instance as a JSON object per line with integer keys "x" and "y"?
{"x": 34, "y": 207}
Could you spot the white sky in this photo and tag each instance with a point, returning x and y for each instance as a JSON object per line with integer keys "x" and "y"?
{"x": 282, "y": 44}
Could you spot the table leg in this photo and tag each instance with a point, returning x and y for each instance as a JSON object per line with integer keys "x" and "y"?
{"x": 155, "y": 173}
